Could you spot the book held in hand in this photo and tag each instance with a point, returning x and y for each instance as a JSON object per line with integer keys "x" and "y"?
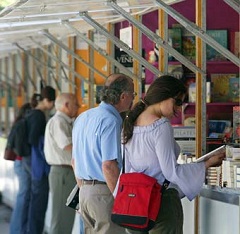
{"x": 73, "y": 198}
{"x": 205, "y": 157}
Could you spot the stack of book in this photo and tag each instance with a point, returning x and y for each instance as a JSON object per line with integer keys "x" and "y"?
{"x": 214, "y": 176}
{"x": 236, "y": 173}
{"x": 233, "y": 152}
{"x": 236, "y": 124}
{"x": 228, "y": 176}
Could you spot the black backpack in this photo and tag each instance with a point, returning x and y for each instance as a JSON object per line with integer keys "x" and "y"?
{"x": 21, "y": 145}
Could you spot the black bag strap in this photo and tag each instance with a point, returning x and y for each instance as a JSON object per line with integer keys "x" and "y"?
{"x": 165, "y": 182}
{"x": 123, "y": 160}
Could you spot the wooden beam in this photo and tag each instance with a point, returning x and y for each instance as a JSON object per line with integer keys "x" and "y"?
{"x": 136, "y": 66}
{"x": 162, "y": 30}
{"x": 200, "y": 96}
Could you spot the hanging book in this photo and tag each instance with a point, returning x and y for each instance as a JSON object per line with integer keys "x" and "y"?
{"x": 221, "y": 37}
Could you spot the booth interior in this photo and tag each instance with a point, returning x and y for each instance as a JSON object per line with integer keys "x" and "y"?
{"x": 206, "y": 56}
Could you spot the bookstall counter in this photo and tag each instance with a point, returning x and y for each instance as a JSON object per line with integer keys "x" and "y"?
{"x": 226, "y": 195}
{"x": 219, "y": 211}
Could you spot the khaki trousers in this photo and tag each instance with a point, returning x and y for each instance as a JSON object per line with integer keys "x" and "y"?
{"x": 95, "y": 205}
{"x": 61, "y": 183}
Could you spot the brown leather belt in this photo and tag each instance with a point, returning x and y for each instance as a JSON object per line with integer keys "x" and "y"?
{"x": 92, "y": 182}
{"x": 63, "y": 166}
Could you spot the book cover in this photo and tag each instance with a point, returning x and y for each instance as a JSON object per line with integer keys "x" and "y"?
{"x": 236, "y": 123}
{"x": 234, "y": 89}
{"x": 189, "y": 46}
{"x": 189, "y": 120}
{"x": 235, "y": 43}
{"x": 217, "y": 126}
{"x": 192, "y": 92}
{"x": 175, "y": 70}
{"x": 220, "y": 87}
{"x": 221, "y": 37}
{"x": 175, "y": 40}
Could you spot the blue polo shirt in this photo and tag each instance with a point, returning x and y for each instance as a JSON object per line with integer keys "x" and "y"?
{"x": 96, "y": 138}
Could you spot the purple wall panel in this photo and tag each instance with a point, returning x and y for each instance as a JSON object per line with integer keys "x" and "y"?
{"x": 220, "y": 17}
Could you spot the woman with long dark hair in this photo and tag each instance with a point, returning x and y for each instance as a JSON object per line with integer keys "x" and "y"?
{"x": 150, "y": 148}
{"x": 18, "y": 222}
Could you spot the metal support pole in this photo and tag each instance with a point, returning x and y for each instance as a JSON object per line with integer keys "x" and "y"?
{"x": 156, "y": 38}
{"x": 56, "y": 41}
{"x": 119, "y": 43}
{"x": 163, "y": 33}
{"x": 22, "y": 81}
{"x": 14, "y": 82}
{"x": 8, "y": 81}
{"x": 26, "y": 70}
{"x": 91, "y": 73}
{"x": 7, "y": 94}
{"x": 137, "y": 67}
{"x": 234, "y": 4}
{"x": 51, "y": 74}
{"x": 57, "y": 60}
{"x": 100, "y": 50}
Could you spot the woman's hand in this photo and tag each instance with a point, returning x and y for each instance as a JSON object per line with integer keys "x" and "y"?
{"x": 215, "y": 160}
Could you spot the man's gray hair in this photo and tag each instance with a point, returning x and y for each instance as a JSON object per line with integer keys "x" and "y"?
{"x": 62, "y": 99}
{"x": 115, "y": 85}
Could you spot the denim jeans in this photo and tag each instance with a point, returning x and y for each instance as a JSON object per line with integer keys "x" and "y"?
{"x": 81, "y": 225}
{"x": 18, "y": 222}
{"x": 38, "y": 205}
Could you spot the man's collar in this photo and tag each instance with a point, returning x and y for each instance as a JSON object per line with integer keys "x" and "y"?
{"x": 66, "y": 117}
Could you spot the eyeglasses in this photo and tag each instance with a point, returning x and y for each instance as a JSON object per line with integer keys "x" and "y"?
{"x": 178, "y": 101}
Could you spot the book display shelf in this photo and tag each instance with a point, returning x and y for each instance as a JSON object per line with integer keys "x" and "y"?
{"x": 219, "y": 103}
{"x": 213, "y": 213}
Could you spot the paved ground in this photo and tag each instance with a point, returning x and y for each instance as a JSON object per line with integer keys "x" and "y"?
{"x": 5, "y": 214}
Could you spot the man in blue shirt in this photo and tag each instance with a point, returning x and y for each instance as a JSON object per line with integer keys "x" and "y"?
{"x": 97, "y": 154}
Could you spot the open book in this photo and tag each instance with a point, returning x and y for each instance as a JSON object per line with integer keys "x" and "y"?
{"x": 210, "y": 154}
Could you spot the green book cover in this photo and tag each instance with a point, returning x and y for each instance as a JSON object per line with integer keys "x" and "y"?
{"x": 222, "y": 38}
{"x": 175, "y": 40}
{"x": 189, "y": 45}
{"x": 221, "y": 87}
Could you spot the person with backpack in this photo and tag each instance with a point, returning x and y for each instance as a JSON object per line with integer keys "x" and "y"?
{"x": 19, "y": 217}
{"x": 36, "y": 123}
